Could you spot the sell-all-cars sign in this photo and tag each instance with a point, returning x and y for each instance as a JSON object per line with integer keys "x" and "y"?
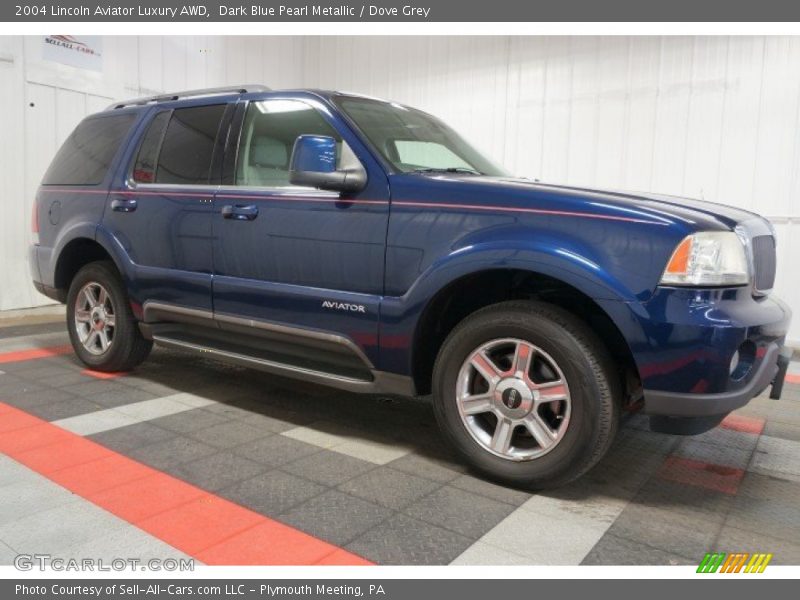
{"x": 85, "y": 52}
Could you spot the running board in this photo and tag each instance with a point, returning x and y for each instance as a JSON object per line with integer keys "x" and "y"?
{"x": 380, "y": 382}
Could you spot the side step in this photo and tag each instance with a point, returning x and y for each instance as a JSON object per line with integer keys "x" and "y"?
{"x": 269, "y": 365}
{"x": 373, "y": 382}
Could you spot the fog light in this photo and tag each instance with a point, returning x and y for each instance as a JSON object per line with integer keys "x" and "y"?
{"x": 743, "y": 360}
{"x": 734, "y": 362}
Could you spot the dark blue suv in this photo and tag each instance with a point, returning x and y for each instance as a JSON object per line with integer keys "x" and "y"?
{"x": 365, "y": 245}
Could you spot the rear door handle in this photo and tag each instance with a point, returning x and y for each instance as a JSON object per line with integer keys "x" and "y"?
{"x": 126, "y": 205}
{"x": 239, "y": 212}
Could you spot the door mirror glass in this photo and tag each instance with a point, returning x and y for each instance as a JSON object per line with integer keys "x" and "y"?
{"x": 314, "y": 153}
{"x": 314, "y": 162}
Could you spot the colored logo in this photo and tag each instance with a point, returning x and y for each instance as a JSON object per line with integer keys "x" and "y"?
{"x": 737, "y": 562}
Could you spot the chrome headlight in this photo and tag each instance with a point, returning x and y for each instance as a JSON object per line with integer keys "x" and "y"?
{"x": 708, "y": 258}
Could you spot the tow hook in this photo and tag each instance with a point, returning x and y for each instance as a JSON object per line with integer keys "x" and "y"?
{"x": 784, "y": 357}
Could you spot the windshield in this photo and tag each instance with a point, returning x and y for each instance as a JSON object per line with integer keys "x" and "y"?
{"x": 413, "y": 141}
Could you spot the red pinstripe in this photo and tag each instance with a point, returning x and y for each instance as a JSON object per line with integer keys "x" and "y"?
{"x": 537, "y": 211}
{"x": 403, "y": 203}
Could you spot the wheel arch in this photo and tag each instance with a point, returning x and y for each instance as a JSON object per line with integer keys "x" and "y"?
{"x": 76, "y": 252}
{"x": 464, "y": 295}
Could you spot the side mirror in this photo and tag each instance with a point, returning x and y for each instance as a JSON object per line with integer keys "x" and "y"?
{"x": 313, "y": 164}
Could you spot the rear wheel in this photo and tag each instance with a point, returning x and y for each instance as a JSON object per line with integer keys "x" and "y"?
{"x": 526, "y": 393}
{"x": 101, "y": 326}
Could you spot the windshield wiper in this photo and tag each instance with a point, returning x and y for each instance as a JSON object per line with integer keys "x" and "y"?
{"x": 448, "y": 170}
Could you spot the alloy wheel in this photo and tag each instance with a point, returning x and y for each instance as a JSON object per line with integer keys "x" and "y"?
{"x": 513, "y": 399}
{"x": 95, "y": 321}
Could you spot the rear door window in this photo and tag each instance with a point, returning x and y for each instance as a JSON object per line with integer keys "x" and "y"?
{"x": 86, "y": 155}
{"x": 188, "y": 145}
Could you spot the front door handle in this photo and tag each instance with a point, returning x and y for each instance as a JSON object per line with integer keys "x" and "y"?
{"x": 240, "y": 212}
{"x": 124, "y": 205}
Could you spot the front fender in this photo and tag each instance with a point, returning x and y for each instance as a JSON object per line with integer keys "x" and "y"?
{"x": 571, "y": 265}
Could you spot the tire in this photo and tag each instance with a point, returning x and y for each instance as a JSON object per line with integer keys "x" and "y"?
{"x": 124, "y": 347}
{"x": 570, "y": 386}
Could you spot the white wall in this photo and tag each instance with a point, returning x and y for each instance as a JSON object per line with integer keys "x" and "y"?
{"x": 62, "y": 95}
{"x": 710, "y": 117}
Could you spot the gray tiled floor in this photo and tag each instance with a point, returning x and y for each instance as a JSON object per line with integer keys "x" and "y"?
{"x": 228, "y": 434}
{"x": 140, "y": 435}
{"x": 272, "y": 492}
{"x": 274, "y": 450}
{"x": 39, "y": 517}
{"x": 785, "y": 552}
{"x": 389, "y": 488}
{"x": 491, "y": 490}
{"x": 405, "y": 540}
{"x": 28, "y": 496}
{"x": 673, "y": 533}
{"x": 328, "y": 468}
{"x": 216, "y": 471}
{"x": 613, "y": 550}
{"x": 336, "y": 517}
{"x": 459, "y": 511}
{"x": 437, "y": 469}
{"x": 173, "y": 450}
{"x": 299, "y": 454}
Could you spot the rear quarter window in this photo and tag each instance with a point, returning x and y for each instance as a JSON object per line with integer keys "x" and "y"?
{"x": 86, "y": 155}
{"x": 144, "y": 170}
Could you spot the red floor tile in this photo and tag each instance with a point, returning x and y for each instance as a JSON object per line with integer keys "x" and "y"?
{"x": 220, "y": 520}
{"x": 21, "y": 355}
{"x": 28, "y": 438}
{"x": 343, "y": 557}
{"x": 270, "y": 543}
{"x": 100, "y": 475}
{"x": 143, "y": 498}
{"x": 188, "y": 518}
{"x": 752, "y": 425}
{"x": 101, "y": 374}
{"x": 67, "y": 452}
{"x": 16, "y": 419}
{"x": 701, "y": 474}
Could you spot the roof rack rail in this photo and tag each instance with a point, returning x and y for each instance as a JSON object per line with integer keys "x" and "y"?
{"x": 167, "y": 97}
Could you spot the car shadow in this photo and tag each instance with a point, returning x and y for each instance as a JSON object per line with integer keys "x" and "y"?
{"x": 390, "y": 422}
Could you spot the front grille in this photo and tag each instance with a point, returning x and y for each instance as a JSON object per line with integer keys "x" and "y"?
{"x": 764, "y": 262}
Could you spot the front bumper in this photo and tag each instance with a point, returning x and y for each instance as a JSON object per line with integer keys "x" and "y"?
{"x": 771, "y": 371}
{"x": 702, "y": 353}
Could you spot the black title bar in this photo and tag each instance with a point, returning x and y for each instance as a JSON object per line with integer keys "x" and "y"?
{"x": 71, "y": 11}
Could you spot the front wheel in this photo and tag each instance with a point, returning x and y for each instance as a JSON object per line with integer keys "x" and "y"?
{"x": 527, "y": 394}
{"x": 102, "y": 328}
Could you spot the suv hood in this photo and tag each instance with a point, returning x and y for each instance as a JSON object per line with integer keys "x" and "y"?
{"x": 726, "y": 213}
{"x": 693, "y": 212}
